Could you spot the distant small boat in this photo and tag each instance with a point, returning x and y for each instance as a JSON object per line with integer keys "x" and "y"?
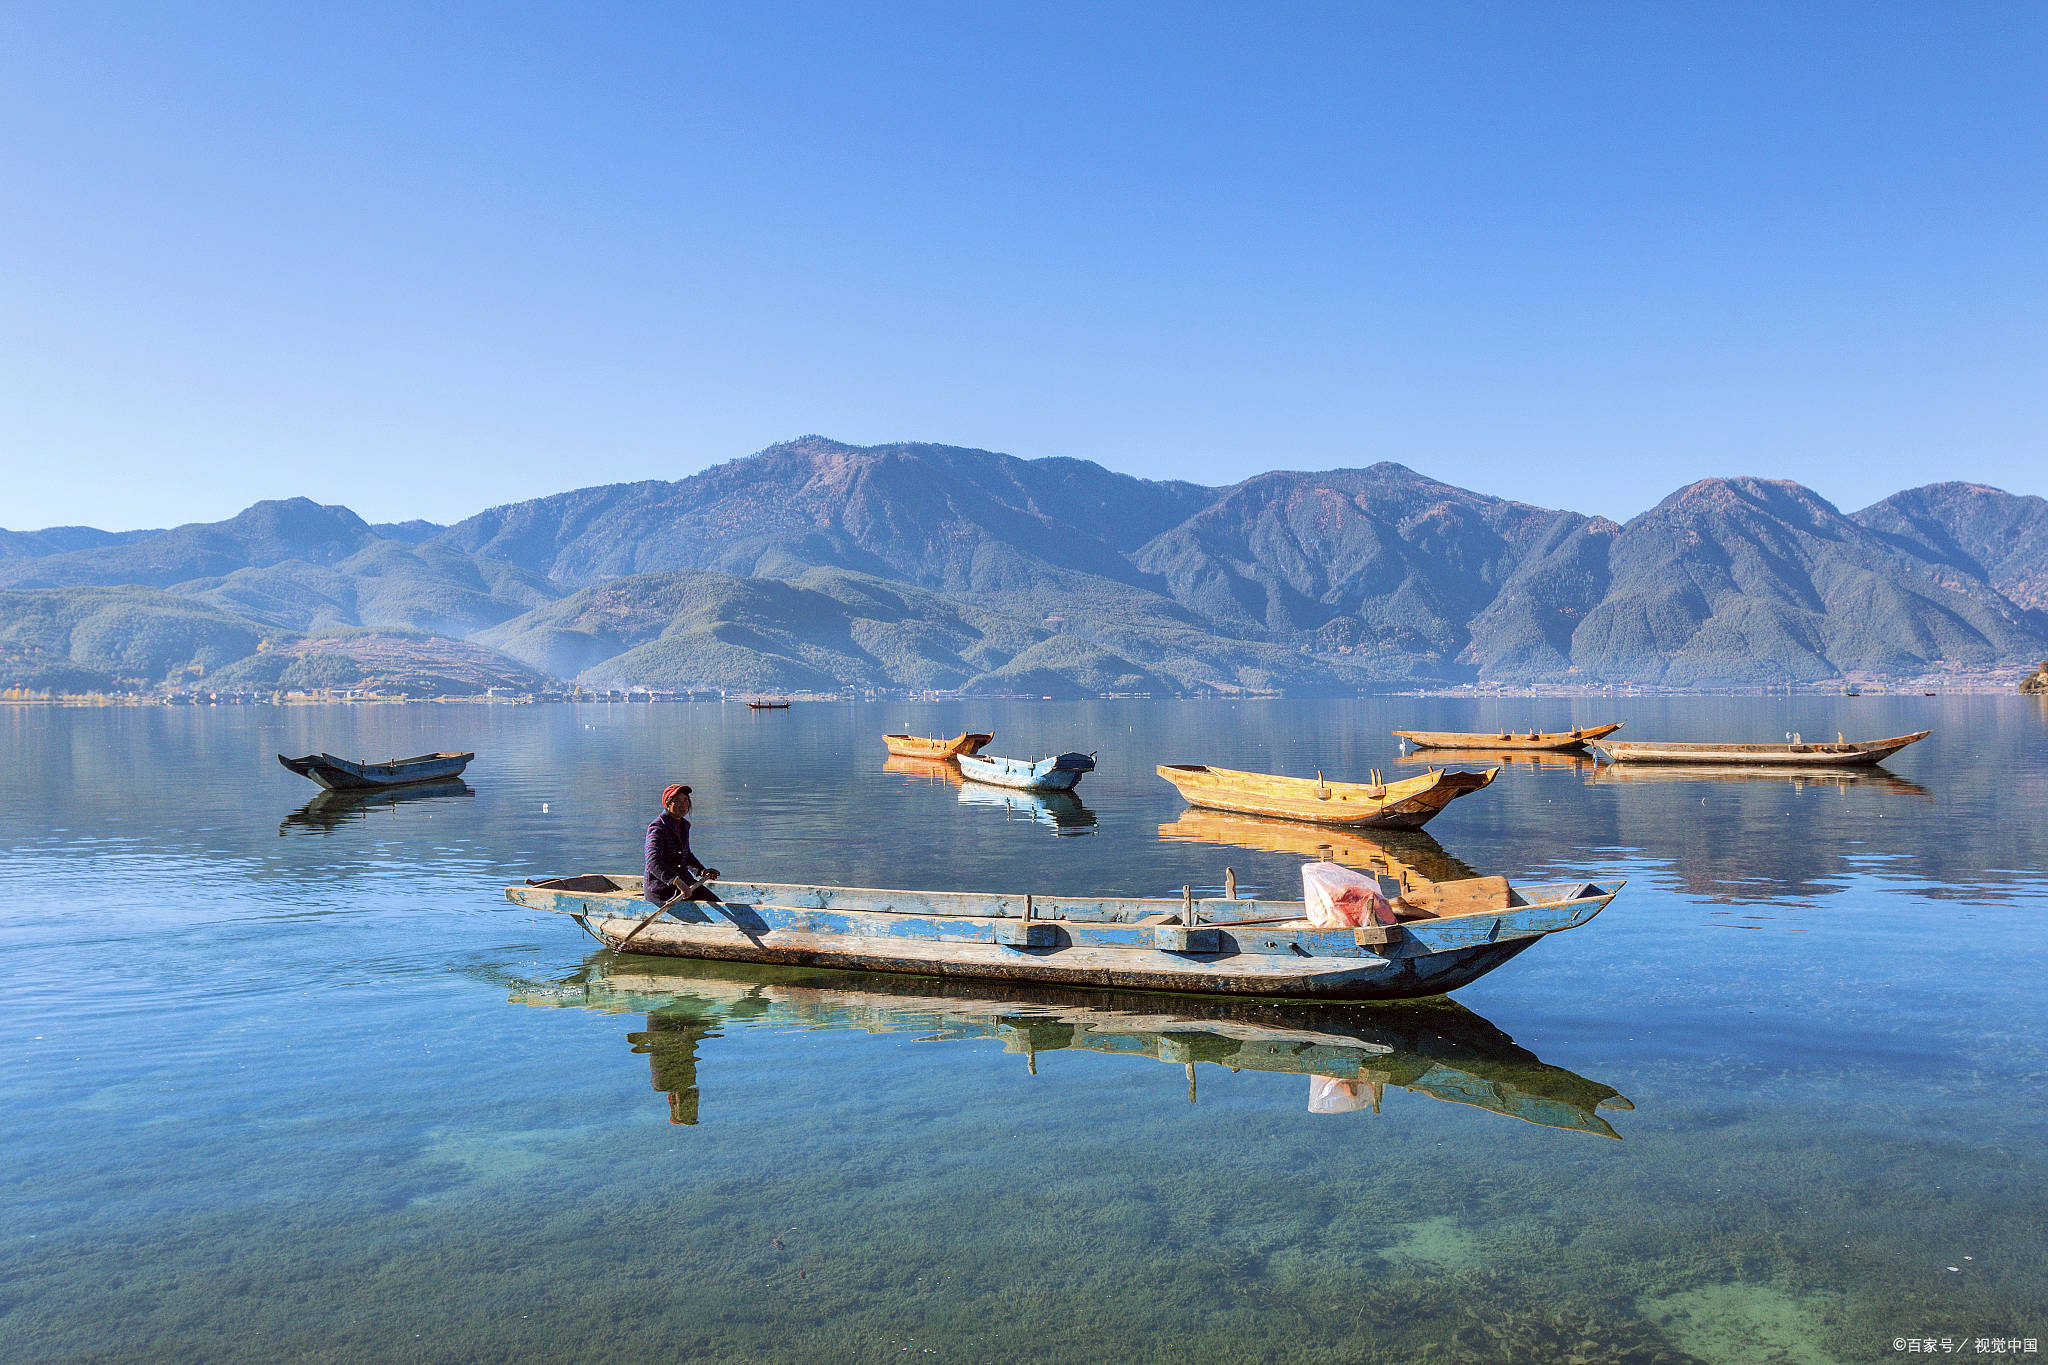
{"x": 768, "y": 705}
{"x": 915, "y": 746}
{"x": 346, "y": 774}
{"x": 1458, "y": 932}
{"x": 1841, "y": 754}
{"x": 1553, "y": 741}
{"x": 1059, "y": 774}
{"x": 1409, "y": 803}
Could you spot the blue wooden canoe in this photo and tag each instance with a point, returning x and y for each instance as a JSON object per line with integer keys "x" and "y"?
{"x": 1458, "y": 933}
{"x": 1057, "y": 774}
{"x": 347, "y": 774}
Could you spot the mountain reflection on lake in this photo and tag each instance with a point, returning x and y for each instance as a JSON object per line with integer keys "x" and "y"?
{"x": 278, "y": 1098}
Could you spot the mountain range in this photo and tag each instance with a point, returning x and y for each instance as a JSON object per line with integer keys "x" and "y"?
{"x": 815, "y": 565}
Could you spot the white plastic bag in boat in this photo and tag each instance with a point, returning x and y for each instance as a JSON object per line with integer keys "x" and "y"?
{"x": 1342, "y": 898}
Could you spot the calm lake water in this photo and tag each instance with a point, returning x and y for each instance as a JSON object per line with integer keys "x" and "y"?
{"x": 288, "y": 1079}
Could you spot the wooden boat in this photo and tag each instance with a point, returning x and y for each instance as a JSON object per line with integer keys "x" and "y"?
{"x": 346, "y": 774}
{"x": 1061, "y": 812}
{"x": 768, "y": 706}
{"x": 1540, "y": 740}
{"x": 1057, "y": 774}
{"x": 1455, "y": 934}
{"x": 1409, "y": 803}
{"x": 1841, "y": 754}
{"x": 915, "y": 746}
{"x": 1409, "y": 856}
{"x": 1435, "y": 1048}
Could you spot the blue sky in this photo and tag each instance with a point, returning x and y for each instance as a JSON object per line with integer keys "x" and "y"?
{"x": 425, "y": 259}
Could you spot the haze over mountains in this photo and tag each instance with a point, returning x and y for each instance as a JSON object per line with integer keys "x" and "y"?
{"x": 815, "y": 565}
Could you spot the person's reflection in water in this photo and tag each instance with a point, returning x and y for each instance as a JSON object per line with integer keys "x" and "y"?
{"x": 670, "y": 1043}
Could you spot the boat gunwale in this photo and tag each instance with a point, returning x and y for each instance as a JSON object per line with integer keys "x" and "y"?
{"x": 1847, "y": 753}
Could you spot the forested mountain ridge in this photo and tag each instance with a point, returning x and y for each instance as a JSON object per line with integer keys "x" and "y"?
{"x": 815, "y": 565}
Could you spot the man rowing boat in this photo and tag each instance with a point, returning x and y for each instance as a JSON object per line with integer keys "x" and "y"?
{"x": 671, "y": 867}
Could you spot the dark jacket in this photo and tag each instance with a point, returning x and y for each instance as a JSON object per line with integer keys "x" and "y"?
{"x": 669, "y": 859}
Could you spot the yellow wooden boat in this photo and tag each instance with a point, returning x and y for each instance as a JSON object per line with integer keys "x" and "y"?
{"x": 1541, "y": 740}
{"x": 916, "y": 746}
{"x": 1409, "y": 803}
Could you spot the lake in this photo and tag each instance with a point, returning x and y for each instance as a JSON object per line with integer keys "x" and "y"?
{"x": 288, "y": 1079}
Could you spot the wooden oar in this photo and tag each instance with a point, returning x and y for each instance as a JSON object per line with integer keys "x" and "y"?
{"x": 688, "y": 890}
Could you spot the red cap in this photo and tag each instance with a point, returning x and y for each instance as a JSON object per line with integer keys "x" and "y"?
{"x": 668, "y": 793}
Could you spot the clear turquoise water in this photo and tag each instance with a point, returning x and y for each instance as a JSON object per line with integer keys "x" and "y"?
{"x": 276, "y": 1088}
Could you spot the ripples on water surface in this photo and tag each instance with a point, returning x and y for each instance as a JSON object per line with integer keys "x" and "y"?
{"x": 287, "y": 1079}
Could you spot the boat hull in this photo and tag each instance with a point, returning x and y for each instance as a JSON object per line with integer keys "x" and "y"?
{"x": 1559, "y": 741}
{"x": 1409, "y": 803}
{"x": 917, "y": 746}
{"x": 1061, "y": 774}
{"x": 1853, "y": 754}
{"x": 345, "y": 774}
{"x": 1246, "y": 948}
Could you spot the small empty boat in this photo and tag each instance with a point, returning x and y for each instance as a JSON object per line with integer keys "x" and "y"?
{"x": 1409, "y": 803}
{"x": 916, "y": 746}
{"x": 1057, "y": 774}
{"x": 347, "y": 774}
{"x": 1449, "y": 934}
{"x": 1545, "y": 741}
{"x": 1843, "y": 753}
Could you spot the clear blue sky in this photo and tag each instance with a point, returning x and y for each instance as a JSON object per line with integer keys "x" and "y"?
{"x": 422, "y": 259}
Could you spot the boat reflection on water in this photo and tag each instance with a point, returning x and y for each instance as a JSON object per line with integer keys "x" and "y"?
{"x": 1536, "y": 758}
{"x": 1061, "y": 812}
{"x": 1841, "y": 779}
{"x": 930, "y": 769}
{"x": 1350, "y": 1054}
{"x": 1388, "y": 850}
{"x": 330, "y": 810}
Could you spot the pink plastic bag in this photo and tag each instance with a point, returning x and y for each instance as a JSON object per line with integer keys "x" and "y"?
{"x": 1341, "y": 898}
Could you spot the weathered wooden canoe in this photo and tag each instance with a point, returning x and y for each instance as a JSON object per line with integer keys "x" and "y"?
{"x": 1409, "y": 803}
{"x": 1458, "y": 933}
{"x": 1841, "y": 754}
{"x": 1540, "y": 740}
{"x": 916, "y": 746}
{"x": 1435, "y": 1048}
{"x": 1057, "y": 774}
{"x": 1406, "y": 855}
{"x": 346, "y": 774}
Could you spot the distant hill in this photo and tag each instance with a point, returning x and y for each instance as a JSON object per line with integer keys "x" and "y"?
{"x": 1984, "y": 534}
{"x": 815, "y": 565}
